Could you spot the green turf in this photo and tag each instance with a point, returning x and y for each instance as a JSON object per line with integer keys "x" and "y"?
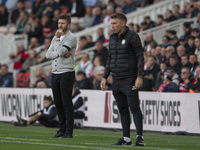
{"x": 38, "y": 138}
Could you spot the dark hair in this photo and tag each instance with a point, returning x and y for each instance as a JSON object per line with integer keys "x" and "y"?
{"x": 66, "y": 17}
{"x": 83, "y": 38}
{"x": 120, "y": 16}
{"x": 152, "y": 57}
{"x": 147, "y": 17}
{"x": 174, "y": 56}
{"x": 4, "y": 65}
{"x": 186, "y": 24}
{"x": 160, "y": 16}
{"x": 185, "y": 55}
{"x": 191, "y": 37}
{"x": 48, "y": 98}
{"x": 195, "y": 30}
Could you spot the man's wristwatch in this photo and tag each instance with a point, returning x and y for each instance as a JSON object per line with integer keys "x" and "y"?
{"x": 141, "y": 76}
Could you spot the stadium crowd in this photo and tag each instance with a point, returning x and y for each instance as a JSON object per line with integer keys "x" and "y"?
{"x": 170, "y": 66}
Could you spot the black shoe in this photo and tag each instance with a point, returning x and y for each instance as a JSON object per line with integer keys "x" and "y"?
{"x": 139, "y": 141}
{"x": 68, "y": 136}
{"x": 122, "y": 142}
{"x": 58, "y": 134}
{"x": 21, "y": 121}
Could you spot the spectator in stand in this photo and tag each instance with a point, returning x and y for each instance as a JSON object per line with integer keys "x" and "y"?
{"x": 37, "y": 8}
{"x": 41, "y": 54}
{"x": 149, "y": 40}
{"x": 83, "y": 44}
{"x": 143, "y": 26}
{"x": 46, "y": 21}
{"x": 173, "y": 62}
{"x": 6, "y": 78}
{"x": 169, "y": 16}
{"x": 81, "y": 81}
{"x": 159, "y": 78}
{"x": 19, "y": 57}
{"x": 153, "y": 68}
{"x": 160, "y": 19}
{"x": 50, "y": 7}
{"x": 193, "y": 63}
{"x": 195, "y": 8}
{"x": 185, "y": 76}
{"x": 195, "y": 32}
{"x": 149, "y": 22}
{"x": 191, "y": 46}
{"x": 3, "y": 15}
{"x": 136, "y": 28}
{"x": 175, "y": 77}
{"x": 56, "y": 15}
{"x": 163, "y": 58}
{"x": 96, "y": 62}
{"x": 85, "y": 65}
{"x": 48, "y": 79}
{"x": 118, "y": 9}
{"x": 180, "y": 52}
{"x": 76, "y": 8}
{"x": 35, "y": 30}
{"x": 29, "y": 61}
{"x": 165, "y": 41}
{"x": 39, "y": 75}
{"x": 187, "y": 10}
{"x": 16, "y": 12}
{"x": 170, "y": 33}
{"x": 174, "y": 42}
{"x": 187, "y": 29}
{"x": 98, "y": 16}
{"x": 101, "y": 51}
{"x": 185, "y": 61}
{"x": 196, "y": 86}
{"x": 33, "y": 43}
{"x": 169, "y": 51}
{"x": 100, "y": 34}
{"x": 129, "y": 6}
{"x": 183, "y": 41}
{"x": 22, "y": 22}
{"x": 88, "y": 18}
{"x": 78, "y": 103}
{"x": 97, "y": 77}
{"x": 197, "y": 50}
{"x": 130, "y": 26}
{"x": 177, "y": 14}
{"x": 46, "y": 117}
{"x": 168, "y": 85}
{"x": 109, "y": 12}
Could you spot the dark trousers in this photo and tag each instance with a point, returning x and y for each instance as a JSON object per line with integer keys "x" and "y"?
{"x": 127, "y": 97}
{"x": 62, "y": 85}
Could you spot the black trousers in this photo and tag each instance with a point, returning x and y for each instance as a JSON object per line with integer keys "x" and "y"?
{"x": 62, "y": 85}
{"x": 127, "y": 97}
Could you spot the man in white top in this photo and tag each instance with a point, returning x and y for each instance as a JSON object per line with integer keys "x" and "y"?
{"x": 62, "y": 52}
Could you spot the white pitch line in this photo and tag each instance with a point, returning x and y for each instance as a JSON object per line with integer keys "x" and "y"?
{"x": 61, "y": 145}
{"x": 10, "y": 138}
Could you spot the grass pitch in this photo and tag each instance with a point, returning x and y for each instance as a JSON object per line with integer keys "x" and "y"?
{"x": 38, "y": 138}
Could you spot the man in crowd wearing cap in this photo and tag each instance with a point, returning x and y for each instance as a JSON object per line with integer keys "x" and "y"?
{"x": 174, "y": 41}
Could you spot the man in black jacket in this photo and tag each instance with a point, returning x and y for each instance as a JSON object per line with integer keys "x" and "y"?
{"x": 47, "y": 116}
{"x": 126, "y": 63}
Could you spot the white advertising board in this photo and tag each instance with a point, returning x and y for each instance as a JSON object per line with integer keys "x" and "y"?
{"x": 164, "y": 112}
